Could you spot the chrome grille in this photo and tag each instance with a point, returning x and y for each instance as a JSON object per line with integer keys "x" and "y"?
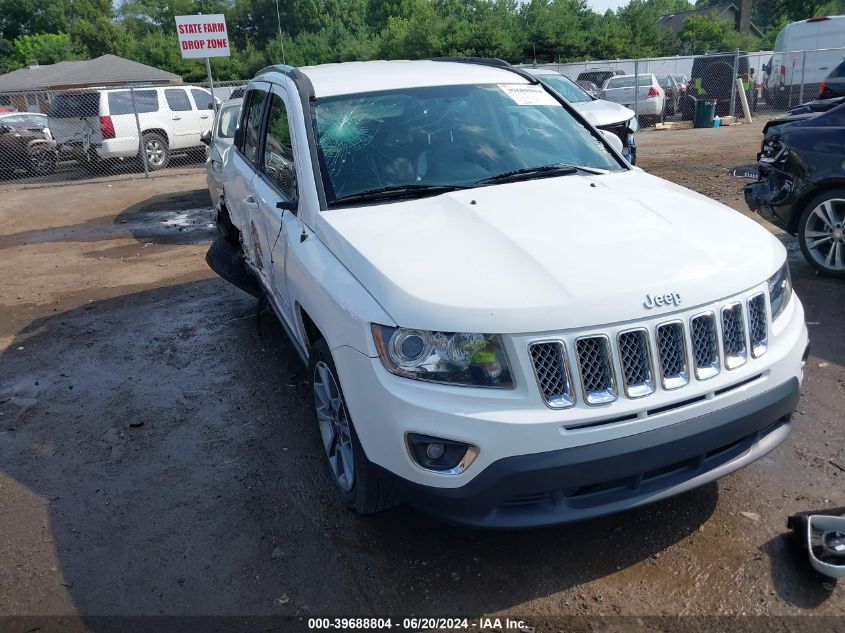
{"x": 733, "y": 336}
{"x": 671, "y": 349}
{"x": 635, "y": 359}
{"x": 718, "y": 338}
{"x": 705, "y": 345}
{"x": 550, "y": 369}
{"x": 596, "y": 369}
{"x": 757, "y": 327}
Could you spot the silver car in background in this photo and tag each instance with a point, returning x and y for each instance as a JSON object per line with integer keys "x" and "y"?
{"x": 643, "y": 94}
{"x": 605, "y": 115}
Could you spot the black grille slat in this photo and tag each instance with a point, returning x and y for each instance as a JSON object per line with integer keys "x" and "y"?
{"x": 549, "y": 360}
{"x": 705, "y": 345}
{"x": 671, "y": 350}
{"x": 596, "y": 370}
{"x": 636, "y": 367}
{"x": 757, "y": 326}
{"x": 733, "y": 336}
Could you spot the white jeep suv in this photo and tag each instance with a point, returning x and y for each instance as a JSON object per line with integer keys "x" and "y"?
{"x": 505, "y": 323}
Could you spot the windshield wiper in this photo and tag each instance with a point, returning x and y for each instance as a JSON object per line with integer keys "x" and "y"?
{"x": 526, "y": 173}
{"x": 397, "y": 192}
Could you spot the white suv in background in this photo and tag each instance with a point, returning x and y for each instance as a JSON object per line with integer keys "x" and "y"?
{"x": 92, "y": 125}
{"x": 505, "y": 323}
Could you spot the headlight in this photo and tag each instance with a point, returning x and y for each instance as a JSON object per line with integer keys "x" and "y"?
{"x": 780, "y": 290}
{"x": 457, "y": 358}
{"x": 633, "y": 126}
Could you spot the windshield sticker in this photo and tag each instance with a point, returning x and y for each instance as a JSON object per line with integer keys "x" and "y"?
{"x": 522, "y": 94}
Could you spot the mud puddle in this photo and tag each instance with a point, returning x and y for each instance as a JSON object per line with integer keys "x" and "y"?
{"x": 192, "y": 225}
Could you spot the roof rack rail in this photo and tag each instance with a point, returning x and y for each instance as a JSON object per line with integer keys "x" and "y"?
{"x": 489, "y": 61}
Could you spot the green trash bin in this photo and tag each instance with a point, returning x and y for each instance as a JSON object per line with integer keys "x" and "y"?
{"x": 705, "y": 110}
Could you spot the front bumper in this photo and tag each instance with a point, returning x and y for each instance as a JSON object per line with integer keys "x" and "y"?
{"x": 588, "y": 481}
{"x": 773, "y": 195}
{"x": 513, "y": 426}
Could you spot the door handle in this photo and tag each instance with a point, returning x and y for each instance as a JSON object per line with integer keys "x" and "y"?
{"x": 250, "y": 203}
{"x": 203, "y": 116}
{"x": 177, "y": 118}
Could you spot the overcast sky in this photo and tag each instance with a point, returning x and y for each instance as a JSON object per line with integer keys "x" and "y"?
{"x": 600, "y": 6}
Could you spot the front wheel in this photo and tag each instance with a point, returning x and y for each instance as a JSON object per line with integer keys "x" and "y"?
{"x": 42, "y": 163}
{"x": 821, "y": 232}
{"x": 355, "y": 479}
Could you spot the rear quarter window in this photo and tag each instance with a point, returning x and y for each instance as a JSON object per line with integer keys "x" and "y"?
{"x": 120, "y": 102}
{"x": 839, "y": 71}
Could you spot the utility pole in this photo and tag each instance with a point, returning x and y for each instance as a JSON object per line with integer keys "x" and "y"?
{"x": 279, "y": 21}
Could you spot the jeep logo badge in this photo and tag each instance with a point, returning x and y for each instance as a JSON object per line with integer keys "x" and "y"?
{"x": 670, "y": 298}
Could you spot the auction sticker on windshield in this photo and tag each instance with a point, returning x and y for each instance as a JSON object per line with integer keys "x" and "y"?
{"x": 522, "y": 94}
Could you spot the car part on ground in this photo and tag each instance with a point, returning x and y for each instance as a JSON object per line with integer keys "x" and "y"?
{"x": 420, "y": 229}
{"x": 801, "y": 183}
{"x": 821, "y": 534}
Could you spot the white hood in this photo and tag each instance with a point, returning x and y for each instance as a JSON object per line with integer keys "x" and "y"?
{"x": 601, "y": 113}
{"x": 550, "y": 254}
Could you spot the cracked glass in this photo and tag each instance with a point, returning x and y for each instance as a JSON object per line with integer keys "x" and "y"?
{"x": 446, "y": 135}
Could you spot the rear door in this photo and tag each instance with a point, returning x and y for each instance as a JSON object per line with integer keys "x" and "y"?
{"x": 122, "y": 106}
{"x": 183, "y": 117}
{"x": 240, "y": 166}
{"x": 276, "y": 182}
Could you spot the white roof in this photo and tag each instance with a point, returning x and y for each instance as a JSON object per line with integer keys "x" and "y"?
{"x": 356, "y": 77}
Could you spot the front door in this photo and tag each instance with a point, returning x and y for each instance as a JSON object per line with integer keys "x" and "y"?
{"x": 276, "y": 183}
{"x": 239, "y": 175}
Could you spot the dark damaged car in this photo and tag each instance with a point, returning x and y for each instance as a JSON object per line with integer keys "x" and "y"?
{"x": 801, "y": 182}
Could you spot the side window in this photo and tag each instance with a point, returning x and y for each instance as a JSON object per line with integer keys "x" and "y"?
{"x": 250, "y": 128}
{"x": 177, "y": 99}
{"x": 278, "y": 149}
{"x": 202, "y": 99}
{"x": 120, "y": 102}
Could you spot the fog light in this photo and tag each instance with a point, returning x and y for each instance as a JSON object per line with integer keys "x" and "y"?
{"x": 440, "y": 455}
{"x": 435, "y": 451}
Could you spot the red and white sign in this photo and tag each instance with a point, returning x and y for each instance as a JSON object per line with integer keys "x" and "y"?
{"x": 203, "y": 35}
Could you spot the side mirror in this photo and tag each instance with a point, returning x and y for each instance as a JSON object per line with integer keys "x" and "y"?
{"x": 210, "y": 105}
{"x": 613, "y": 140}
{"x": 205, "y": 137}
{"x": 288, "y": 205}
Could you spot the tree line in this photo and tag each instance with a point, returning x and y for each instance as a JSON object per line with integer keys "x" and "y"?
{"x": 302, "y": 32}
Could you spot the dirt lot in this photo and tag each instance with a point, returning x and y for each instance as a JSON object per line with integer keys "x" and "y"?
{"x": 157, "y": 454}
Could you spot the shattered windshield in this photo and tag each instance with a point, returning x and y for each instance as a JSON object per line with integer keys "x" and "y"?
{"x": 446, "y": 135}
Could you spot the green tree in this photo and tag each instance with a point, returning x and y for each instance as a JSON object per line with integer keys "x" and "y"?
{"x": 44, "y": 48}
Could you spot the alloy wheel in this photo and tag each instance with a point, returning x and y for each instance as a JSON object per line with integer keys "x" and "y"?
{"x": 334, "y": 426}
{"x": 155, "y": 152}
{"x": 824, "y": 234}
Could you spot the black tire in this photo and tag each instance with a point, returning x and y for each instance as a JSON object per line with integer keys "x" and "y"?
{"x": 824, "y": 253}
{"x": 156, "y": 150}
{"x": 227, "y": 230}
{"x": 367, "y": 493}
{"x": 42, "y": 163}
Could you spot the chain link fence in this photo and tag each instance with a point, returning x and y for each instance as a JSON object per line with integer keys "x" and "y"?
{"x": 94, "y": 134}
{"x": 668, "y": 87}
{"x": 143, "y": 131}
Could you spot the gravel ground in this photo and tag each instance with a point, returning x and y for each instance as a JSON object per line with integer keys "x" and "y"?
{"x": 158, "y": 456}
